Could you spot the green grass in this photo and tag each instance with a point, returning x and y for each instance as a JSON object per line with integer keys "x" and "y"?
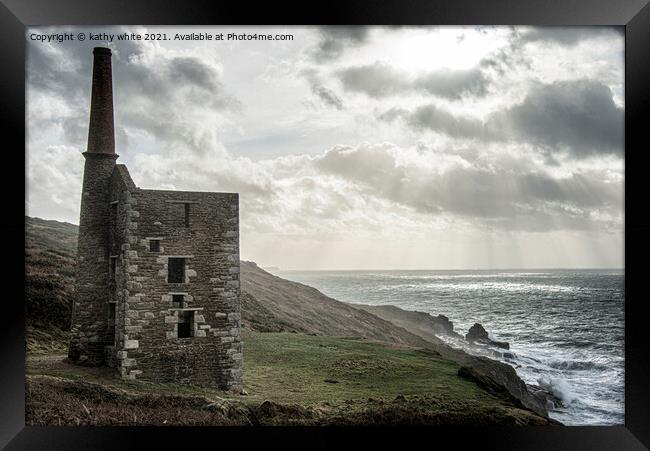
{"x": 365, "y": 381}
{"x": 293, "y": 368}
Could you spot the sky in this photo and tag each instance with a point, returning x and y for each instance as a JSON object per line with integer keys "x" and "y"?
{"x": 357, "y": 147}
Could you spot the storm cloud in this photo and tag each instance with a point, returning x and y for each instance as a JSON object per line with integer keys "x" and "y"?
{"x": 381, "y": 80}
{"x": 190, "y": 85}
{"x": 490, "y": 195}
{"x": 431, "y": 117}
{"x": 334, "y": 40}
{"x": 578, "y": 118}
{"x": 568, "y": 36}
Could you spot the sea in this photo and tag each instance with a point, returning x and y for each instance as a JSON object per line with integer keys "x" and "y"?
{"x": 565, "y": 327}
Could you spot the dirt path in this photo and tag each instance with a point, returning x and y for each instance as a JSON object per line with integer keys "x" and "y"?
{"x": 57, "y": 364}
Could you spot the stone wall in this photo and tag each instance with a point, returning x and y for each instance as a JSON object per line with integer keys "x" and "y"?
{"x": 119, "y": 230}
{"x": 147, "y": 345}
{"x": 90, "y": 309}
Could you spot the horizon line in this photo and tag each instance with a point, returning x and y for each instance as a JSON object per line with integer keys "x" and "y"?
{"x": 451, "y": 269}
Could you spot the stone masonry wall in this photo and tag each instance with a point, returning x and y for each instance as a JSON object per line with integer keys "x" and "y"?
{"x": 119, "y": 234}
{"x": 90, "y": 309}
{"x": 147, "y": 346}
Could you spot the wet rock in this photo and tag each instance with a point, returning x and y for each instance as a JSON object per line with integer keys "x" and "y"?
{"x": 549, "y": 399}
{"x": 500, "y": 344}
{"x": 477, "y": 334}
{"x": 501, "y": 380}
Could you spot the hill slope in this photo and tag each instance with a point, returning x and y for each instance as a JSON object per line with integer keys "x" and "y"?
{"x": 50, "y": 261}
{"x": 301, "y": 308}
{"x": 269, "y": 303}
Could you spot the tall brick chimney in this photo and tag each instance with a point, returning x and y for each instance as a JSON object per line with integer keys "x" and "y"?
{"x": 90, "y": 330}
{"x": 101, "y": 136}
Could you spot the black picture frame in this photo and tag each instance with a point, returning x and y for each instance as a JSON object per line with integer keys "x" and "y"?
{"x": 634, "y": 15}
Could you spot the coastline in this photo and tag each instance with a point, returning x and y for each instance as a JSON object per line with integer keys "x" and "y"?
{"x": 566, "y": 328}
{"x": 365, "y": 355}
{"x": 491, "y": 374}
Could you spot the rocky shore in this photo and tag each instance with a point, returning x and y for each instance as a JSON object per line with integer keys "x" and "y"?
{"x": 492, "y": 375}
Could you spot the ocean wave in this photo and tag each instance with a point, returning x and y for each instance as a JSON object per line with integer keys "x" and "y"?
{"x": 492, "y": 286}
{"x": 558, "y": 387}
{"x": 575, "y": 365}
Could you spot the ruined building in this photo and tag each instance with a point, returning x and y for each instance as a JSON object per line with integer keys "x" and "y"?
{"x": 157, "y": 288}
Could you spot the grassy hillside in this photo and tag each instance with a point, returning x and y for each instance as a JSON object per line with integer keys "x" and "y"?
{"x": 50, "y": 253}
{"x": 291, "y": 378}
{"x": 301, "y": 308}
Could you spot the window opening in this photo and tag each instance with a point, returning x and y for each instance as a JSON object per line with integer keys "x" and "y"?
{"x": 178, "y": 300}
{"x": 112, "y": 268}
{"x": 111, "y": 321}
{"x": 154, "y": 245}
{"x": 176, "y": 270}
{"x": 185, "y": 321}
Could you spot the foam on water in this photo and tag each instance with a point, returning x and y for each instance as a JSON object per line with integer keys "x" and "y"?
{"x": 565, "y": 327}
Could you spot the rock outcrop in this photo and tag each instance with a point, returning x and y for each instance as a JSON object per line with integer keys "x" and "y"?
{"x": 550, "y": 400}
{"x": 423, "y": 324}
{"x": 478, "y": 335}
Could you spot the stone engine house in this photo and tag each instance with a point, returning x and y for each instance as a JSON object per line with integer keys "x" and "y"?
{"x": 157, "y": 288}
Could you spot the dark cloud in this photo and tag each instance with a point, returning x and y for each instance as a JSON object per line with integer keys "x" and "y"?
{"x": 50, "y": 69}
{"x": 454, "y": 84}
{"x": 568, "y": 36}
{"x": 327, "y": 96}
{"x": 513, "y": 56}
{"x": 188, "y": 83}
{"x": 180, "y": 77}
{"x": 510, "y": 57}
{"x": 193, "y": 71}
{"x": 430, "y": 117}
{"x": 374, "y": 80}
{"x": 496, "y": 197}
{"x": 334, "y": 40}
{"x": 577, "y": 117}
{"x": 381, "y": 80}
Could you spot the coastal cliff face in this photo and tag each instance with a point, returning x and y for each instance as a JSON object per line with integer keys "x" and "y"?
{"x": 282, "y": 305}
{"x": 427, "y": 326}
{"x": 272, "y": 304}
